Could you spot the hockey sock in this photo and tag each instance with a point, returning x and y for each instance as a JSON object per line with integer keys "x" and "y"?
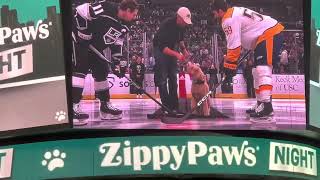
{"x": 265, "y": 93}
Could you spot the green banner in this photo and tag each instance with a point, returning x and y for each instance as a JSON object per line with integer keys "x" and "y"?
{"x": 159, "y": 155}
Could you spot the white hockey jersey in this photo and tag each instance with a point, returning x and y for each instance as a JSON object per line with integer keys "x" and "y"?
{"x": 246, "y": 28}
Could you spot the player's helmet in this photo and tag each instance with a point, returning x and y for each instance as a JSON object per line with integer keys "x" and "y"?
{"x": 219, "y": 4}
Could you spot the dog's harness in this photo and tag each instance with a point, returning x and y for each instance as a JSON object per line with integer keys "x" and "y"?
{"x": 198, "y": 82}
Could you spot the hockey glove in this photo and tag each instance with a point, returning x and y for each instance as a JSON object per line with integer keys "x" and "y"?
{"x": 230, "y": 70}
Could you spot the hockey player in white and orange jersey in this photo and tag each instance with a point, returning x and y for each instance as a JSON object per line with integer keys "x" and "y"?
{"x": 250, "y": 30}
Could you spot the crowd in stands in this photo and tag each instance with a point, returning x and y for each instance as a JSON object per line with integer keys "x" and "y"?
{"x": 199, "y": 36}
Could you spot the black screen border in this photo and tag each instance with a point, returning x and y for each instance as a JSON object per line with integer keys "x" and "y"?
{"x": 307, "y": 45}
{"x": 66, "y": 11}
{"x": 306, "y": 7}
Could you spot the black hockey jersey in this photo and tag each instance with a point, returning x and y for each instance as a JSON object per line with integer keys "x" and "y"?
{"x": 97, "y": 25}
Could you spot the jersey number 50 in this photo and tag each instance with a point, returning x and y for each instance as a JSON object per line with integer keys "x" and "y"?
{"x": 253, "y": 15}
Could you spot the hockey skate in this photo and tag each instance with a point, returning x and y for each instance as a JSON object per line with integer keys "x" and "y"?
{"x": 263, "y": 113}
{"x": 253, "y": 109}
{"x": 108, "y": 112}
{"x": 79, "y": 117}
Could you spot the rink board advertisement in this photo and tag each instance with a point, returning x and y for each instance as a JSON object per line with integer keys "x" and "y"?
{"x": 32, "y": 66}
{"x": 314, "y": 118}
{"x": 159, "y": 155}
{"x": 285, "y": 86}
{"x": 282, "y": 84}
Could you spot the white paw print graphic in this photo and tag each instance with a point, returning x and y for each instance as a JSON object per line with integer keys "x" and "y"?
{"x": 54, "y": 160}
{"x": 61, "y": 115}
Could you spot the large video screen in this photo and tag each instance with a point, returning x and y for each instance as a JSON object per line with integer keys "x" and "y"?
{"x": 32, "y": 66}
{"x": 314, "y": 119}
{"x": 192, "y": 64}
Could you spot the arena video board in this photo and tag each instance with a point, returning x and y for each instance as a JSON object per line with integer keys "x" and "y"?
{"x": 32, "y": 65}
{"x": 314, "y": 115}
{"x": 111, "y": 101}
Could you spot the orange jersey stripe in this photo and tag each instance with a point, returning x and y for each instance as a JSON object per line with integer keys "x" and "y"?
{"x": 265, "y": 88}
{"x": 269, "y": 46}
{"x": 228, "y": 14}
{"x": 233, "y": 54}
{"x": 230, "y": 66}
{"x": 270, "y": 33}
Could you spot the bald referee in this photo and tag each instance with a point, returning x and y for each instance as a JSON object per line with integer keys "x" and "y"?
{"x": 170, "y": 37}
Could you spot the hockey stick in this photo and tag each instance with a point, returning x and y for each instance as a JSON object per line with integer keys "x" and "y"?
{"x": 156, "y": 101}
{"x": 131, "y": 81}
{"x": 177, "y": 120}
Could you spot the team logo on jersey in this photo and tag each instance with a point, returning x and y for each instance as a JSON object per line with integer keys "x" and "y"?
{"x": 111, "y": 36}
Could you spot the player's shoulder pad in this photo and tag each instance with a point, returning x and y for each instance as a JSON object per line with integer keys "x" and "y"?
{"x": 97, "y": 8}
{"x": 229, "y": 14}
{"x": 84, "y": 11}
{"x": 110, "y": 11}
{"x": 110, "y": 18}
{"x": 125, "y": 26}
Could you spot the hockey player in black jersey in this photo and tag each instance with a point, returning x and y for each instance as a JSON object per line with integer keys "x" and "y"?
{"x": 99, "y": 30}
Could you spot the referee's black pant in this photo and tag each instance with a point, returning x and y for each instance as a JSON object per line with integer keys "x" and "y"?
{"x": 166, "y": 74}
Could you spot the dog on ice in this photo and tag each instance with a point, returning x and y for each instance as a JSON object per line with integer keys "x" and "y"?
{"x": 199, "y": 89}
